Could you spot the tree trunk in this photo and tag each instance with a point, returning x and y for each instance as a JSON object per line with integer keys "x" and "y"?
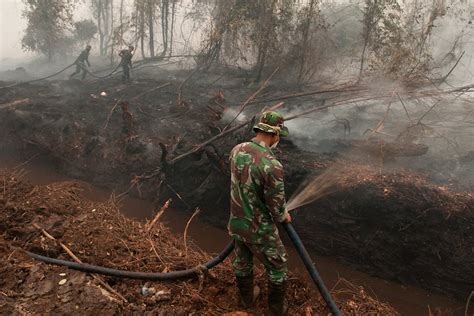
{"x": 50, "y": 51}
{"x": 369, "y": 23}
{"x": 305, "y": 41}
{"x": 151, "y": 31}
{"x": 99, "y": 25}
{"x": 121, "y": 23}
{"x": 362, "y": 59}
{"x": 106, "y": 16}
{"x": 112, "y": 33}
{"x": 267, "y": 14}
{"x": 142, "y": 31}
{"x": 173, "y": 12}
{"x": 164, "y": 25}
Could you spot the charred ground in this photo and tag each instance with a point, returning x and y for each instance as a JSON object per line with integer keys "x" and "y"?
{"x": 393, "y": 223}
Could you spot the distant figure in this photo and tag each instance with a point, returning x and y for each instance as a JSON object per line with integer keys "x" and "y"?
{"x": 126, "y": 62}
{"x": 81, "y": 63}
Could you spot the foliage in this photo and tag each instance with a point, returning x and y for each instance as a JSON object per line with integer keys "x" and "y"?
{"x": 398, "y": 37}
{"x": 267, "y": 34}
{"x": 102, "y": 11}
{"x": 85, "y": 30}
{"x": 47, "y": 24}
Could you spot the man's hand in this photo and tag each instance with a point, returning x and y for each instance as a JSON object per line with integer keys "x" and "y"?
{"x": 287, "y": 219}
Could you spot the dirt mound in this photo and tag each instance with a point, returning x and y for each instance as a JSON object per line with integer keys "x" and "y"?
{"x": 99, "y": 234}
{"x": 425, "y": 236}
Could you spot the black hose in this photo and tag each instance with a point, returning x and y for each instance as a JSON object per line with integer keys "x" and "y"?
{"x": 103, "y": 77}
{"x": 318, "y": 281}
{"x": 39, "y": 79}
{"x": 155, "y": 276}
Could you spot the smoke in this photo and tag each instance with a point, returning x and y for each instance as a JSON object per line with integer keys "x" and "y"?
{"x": 444, "y": 124}
{"x": 454, "y": 34}
{"x": 232, "y": 115}
{"x": 11, "y": 28}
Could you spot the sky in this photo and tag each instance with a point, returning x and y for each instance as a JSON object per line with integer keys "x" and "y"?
{"x": 12, "y": 26}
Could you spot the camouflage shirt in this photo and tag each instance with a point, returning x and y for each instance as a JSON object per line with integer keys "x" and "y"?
{"x": 83, "y": 57}
{"x": 126, "y": 57}
{"x": 257, "y": 193}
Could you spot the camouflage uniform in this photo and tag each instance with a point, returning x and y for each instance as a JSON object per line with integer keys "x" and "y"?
{"x": 257, "y": 202}
{"x": 126, "y": 63}
{"x": 81, "y": 64}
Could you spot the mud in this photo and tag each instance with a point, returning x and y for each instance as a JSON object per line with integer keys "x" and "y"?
{"x": 407, "y": 300}
{"x": 386, "y": 234}
{"x": 98, "y": 234}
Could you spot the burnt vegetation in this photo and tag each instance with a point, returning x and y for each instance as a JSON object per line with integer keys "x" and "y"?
{"x": 380, "y": 116}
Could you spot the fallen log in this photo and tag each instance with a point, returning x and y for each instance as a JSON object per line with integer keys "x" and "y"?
{"x": 13, "y": 104}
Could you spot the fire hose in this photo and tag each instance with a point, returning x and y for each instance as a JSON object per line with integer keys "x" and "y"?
{"x": 157, "y": 276}
{"x": 66, "y": 68}
{"x": 61, "y": 71}
{"x": 103, "y": 77}
{"x": 39, "y": 79}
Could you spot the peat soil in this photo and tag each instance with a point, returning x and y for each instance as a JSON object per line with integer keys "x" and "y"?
{"x": 97, "y": 233}
{"x": 393, "y": 223}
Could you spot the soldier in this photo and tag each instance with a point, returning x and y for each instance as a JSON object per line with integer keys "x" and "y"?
{"x": 81, "y": 63}
{"x": 126, "y": 62}
{"x": 257, "y": 204}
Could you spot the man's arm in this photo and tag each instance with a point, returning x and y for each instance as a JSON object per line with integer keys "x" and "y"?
{"x": 274, "y": 191}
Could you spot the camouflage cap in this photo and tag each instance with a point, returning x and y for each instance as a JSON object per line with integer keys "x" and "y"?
{"x": 272, "y": 122}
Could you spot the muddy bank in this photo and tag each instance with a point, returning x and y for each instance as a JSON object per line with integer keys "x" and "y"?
{"x": 394, "y": 220}
{"x": 85, "y": 131}
{"x": 407, "y": 300}
{"x": 99, "y": 234}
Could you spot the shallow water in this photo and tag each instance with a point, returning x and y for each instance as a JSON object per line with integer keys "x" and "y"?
{"x": 408, "y": 300}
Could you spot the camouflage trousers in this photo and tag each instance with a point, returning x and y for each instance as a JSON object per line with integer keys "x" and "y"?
{"x": 126, "y": 73}
{"x": 272, "y": 255}
{"x": 80, "y": 67}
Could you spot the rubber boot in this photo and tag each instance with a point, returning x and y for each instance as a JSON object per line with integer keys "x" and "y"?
{"x": 248, "y": 292}
{"x": 277, "y": 303}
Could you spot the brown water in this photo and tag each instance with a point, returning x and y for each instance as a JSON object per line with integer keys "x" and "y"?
{"x": 408, "y": 300}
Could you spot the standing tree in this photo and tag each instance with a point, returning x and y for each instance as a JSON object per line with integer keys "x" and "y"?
{"x": 47, "y": 22}
{"x": 150, "y": 7}
{"x": 165, "y": 9}
{"x": 103, "y": 12}
{"x": 392, "y": 44}
{"x": 145, "y": 19}
{"x": 249, "y": 31}
{"x": 139, "y": 20}
{"x": 372, "y": 15}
